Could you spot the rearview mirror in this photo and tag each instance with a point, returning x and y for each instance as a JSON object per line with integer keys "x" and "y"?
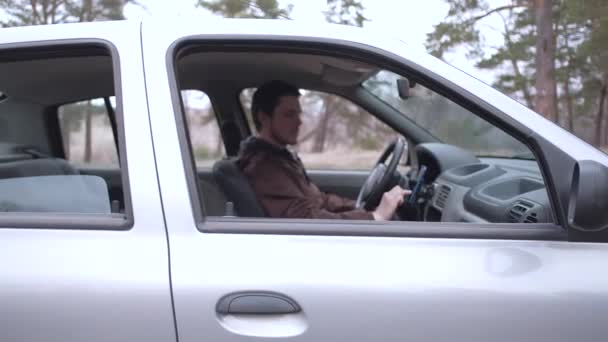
{"x": 404, "y": 86}
{"x": 588, "y": 203}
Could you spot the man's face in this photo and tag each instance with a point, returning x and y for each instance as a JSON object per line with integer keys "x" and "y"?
{"x": 284, "y": 124}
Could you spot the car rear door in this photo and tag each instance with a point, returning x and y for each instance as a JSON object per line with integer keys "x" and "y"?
{"x": 72, "y": 274}
{"x": 238, "y": 279}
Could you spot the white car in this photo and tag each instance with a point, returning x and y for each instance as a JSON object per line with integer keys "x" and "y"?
{"x": 503, "y": 241}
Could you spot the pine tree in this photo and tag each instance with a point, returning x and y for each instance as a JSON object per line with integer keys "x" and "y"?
{"x": 553, "y": 57}
{"x": 259, "y": 9}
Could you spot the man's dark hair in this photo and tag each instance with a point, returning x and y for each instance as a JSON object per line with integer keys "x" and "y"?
{"x": 266, "y": 98}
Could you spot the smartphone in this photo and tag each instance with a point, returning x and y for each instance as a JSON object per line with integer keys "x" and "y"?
{"x": 418, "y": 183}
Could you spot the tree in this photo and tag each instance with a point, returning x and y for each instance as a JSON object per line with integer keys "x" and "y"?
{"x": 583, "y": 30}
{"x": 553, "y": 57}
{"x": 461, "y": 28}
{"x": 517, "y": 55}
{"x": 345, "y": 12}
{"x": 546, "y": 88}
{"x": 259, "y": 9}
{"x": 527, "y": 23}
{"x": 44, "y": 12}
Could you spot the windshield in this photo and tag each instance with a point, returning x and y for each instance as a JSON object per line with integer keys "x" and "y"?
{"x": 447, "y": 121}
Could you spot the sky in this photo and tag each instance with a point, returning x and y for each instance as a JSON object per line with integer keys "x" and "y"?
{"x": 409, "y": 20}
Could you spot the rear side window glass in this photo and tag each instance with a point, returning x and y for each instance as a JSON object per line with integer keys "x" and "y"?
{"x": 59, "y": 159}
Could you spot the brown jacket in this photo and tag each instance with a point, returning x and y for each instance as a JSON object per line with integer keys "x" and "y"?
{"x": 280, "y": 182}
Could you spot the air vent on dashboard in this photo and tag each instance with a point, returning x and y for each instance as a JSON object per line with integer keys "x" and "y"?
{"x": 442, "y": 196}
{"x": 531, "y": 218}
{"x": 519, "y": 210}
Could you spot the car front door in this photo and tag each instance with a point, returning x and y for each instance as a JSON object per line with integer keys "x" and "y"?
{"x": 234, "y": 279}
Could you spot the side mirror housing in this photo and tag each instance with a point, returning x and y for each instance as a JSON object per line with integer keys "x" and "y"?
{"x": 404, "y": 86}
{"x": 588, "y": 202}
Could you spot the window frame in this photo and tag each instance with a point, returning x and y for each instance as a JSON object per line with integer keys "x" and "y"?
{"x": 73, "y": 221}
{"x": 347, "y": 49}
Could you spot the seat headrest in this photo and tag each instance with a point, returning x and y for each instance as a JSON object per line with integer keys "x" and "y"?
{"x": 232, "y": 137}
{"x": 237, "y": 189}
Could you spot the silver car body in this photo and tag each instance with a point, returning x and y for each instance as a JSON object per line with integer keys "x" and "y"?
{"x": 162, "y": 279}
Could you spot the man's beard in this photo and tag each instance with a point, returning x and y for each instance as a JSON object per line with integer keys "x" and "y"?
{"x": 281, "y": 141}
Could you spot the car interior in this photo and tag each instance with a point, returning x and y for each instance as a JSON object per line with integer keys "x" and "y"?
{"x": 451, "y": 182}
{"x": 36, "y": 175}
{"x": 460, "y": 167}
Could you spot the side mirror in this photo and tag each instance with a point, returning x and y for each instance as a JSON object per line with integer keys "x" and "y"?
{"x": 404, "y": 86}
{"x": 588, "y": 203}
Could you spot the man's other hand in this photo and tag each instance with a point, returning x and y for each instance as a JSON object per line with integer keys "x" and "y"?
{"x": 391, "y": 200}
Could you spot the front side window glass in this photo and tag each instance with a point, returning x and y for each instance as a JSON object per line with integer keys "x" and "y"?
{"x": 447, "y": 121}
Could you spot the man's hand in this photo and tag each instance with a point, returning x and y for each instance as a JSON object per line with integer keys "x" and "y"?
{"x": 389, "y": 203}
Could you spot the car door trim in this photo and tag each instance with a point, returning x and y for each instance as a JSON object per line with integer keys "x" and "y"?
{"x": 405, "y": 229}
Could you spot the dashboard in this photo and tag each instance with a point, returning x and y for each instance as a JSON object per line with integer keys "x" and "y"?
{"x": 471, "y": 189}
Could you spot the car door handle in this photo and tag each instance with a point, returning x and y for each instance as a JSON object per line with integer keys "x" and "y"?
{"x": 256, "y": 303}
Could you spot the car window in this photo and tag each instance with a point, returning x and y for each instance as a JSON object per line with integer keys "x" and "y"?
{"x": 58, "y": 153}
{"x": 86, "y": 131}
{"x": 463, "y": 168}
{"x": 336, "y": 134}
{"x": 447, "y": 121}
{"x": 207, "y": 144}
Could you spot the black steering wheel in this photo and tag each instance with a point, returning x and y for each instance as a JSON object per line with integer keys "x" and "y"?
{"x": 380, "y": 176}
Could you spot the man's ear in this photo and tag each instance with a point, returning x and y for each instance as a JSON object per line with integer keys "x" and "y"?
{"x": 264, "y": 119}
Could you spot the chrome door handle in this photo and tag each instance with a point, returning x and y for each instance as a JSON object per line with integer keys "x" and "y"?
{"x": 256, "y": 303}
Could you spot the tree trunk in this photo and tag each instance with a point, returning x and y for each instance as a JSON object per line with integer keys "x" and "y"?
{"x": 569, "y": 105}
{"x": 518, "y": 73}
{"x": 219, "y": 145}
{"x": 318, "y": 144}
{"x": 546, "y": 87}
{"x": 605, "y": 131}
{"x": 87, "y": 132}
{"x": 600, "y": 117}
{"x": 66, "y": 134}
{"x": 566, "y": 89}
{"x": 526, "y": 92}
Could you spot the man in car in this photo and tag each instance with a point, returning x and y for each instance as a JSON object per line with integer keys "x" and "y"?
{"x": 277, "y": 175}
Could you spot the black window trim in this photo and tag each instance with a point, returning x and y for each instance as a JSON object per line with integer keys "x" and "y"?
{"x": 66, "y": 48}
{"x": 391, "y": 62}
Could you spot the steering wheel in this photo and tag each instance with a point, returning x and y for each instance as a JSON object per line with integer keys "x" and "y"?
{"x": 379, "y": 177}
